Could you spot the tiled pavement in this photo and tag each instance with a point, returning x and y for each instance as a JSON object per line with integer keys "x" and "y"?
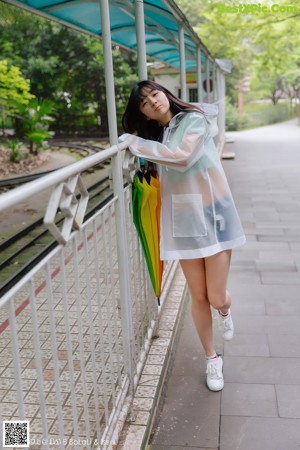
{"x": 259, "y": 408}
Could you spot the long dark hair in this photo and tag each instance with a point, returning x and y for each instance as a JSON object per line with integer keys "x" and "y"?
{"x": 134, "y": 121}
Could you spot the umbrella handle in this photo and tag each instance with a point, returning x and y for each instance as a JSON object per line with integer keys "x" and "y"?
{"x": 131, "y": 164}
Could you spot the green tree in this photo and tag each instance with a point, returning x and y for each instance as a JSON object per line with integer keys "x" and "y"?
{"x": 64, "y": 66}
{"x": 13, "y": 88}
{"x": 262, "y": 44}
{"x": 277, "y": 52}
{"x": 226, "y": 36}
{"x": 291, "y": 86}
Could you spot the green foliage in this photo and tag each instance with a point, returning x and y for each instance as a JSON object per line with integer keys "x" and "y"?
{"x": 278, "y": 54}
{"x": 7, "y": 14}
{"x": 231, "y": 117}
{"x": 15, "y": 147}
{"x": 260, "y": 114}
{"x": 64, "y": 65}
{"x": 36, "y": 119}
{"x": 38, "y": 137}
{"x": 257, "y": 114}
{"x": 13, "y": 88}
{"x": 264, "y": 45}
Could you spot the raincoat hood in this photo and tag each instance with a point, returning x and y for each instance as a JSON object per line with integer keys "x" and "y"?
{"x": 209, "y": 112}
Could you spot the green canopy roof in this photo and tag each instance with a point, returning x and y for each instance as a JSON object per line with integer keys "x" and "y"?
{"x": 162, "y": 19}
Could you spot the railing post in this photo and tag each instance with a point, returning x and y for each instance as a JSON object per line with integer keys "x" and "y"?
{"x": 118, "y": 187}
{"x": 207, "y": 80}
{"x": 221, "y": 104}
{"x": 199, "y": 78}
{"x": 215, "y": 84}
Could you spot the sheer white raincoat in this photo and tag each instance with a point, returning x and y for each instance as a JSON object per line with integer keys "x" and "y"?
{"x": 198, "y": 216}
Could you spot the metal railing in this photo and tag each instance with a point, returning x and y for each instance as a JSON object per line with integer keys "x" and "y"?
{"x": 73, "y": 338}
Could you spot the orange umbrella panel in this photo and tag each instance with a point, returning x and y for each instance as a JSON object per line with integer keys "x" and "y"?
{"x": 146, "y": 218}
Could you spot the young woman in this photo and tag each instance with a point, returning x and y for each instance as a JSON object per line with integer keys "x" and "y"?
{"x": 199, "y": 222}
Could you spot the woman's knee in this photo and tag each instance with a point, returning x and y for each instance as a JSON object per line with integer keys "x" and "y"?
{"x": 218, "y": 300}
{"x": 200, "y": 299}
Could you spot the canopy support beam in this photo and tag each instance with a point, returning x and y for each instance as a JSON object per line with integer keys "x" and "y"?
{"x": 118, "y": 189}
{"x": 199, "y": 80}
{"x": 182, "y": 64}
{"x": 141, "y": 40}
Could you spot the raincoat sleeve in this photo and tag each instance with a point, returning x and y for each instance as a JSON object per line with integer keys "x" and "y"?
{"x": 186, "y": 147}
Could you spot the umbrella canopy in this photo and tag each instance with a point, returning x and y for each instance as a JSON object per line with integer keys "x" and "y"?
{"x": 146, "y": 218}
{"x": 155, "y": 183}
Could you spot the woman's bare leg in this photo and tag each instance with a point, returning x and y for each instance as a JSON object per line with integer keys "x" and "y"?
{"x": 216, "y": 272}
{"x": 194, "y": 272}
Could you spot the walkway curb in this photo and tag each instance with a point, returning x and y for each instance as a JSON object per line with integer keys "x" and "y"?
{"x": 150, "y": 387}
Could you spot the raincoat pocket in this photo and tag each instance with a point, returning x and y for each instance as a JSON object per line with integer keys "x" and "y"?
{"x": 188, "y": 215}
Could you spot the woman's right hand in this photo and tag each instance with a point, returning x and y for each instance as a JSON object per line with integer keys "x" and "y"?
{"x": 129, "y": 138}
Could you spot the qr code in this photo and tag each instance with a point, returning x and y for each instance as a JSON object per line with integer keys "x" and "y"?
{"x": 16, "y": 433}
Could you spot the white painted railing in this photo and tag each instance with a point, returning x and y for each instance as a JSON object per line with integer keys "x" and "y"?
{"x": 72, "y": 340}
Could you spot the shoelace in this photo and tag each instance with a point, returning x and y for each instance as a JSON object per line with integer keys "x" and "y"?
{"x": 213, "y": 372}
{"x": 227, "y": 323}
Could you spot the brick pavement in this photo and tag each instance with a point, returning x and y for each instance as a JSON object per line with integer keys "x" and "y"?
{"x": 259, "y": 408}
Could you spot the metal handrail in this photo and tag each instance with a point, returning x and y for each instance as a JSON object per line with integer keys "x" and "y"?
{"x": 12, "y": 198}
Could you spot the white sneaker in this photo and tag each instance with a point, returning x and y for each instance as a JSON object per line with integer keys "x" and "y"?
{"x": 227, "y": 326}
{"x": 214, "y": 374}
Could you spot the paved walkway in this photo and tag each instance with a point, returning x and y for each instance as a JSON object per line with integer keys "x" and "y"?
{"x": 259, "y": 408}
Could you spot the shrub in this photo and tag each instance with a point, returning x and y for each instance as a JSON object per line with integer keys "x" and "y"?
{"x": 15, "y": 147}
{"x": 36, "y": 120}
{"x": 232, "y": 117}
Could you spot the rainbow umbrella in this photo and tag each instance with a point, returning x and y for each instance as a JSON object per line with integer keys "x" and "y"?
{"x": 146, "y": 218}
{"x": 155, "y": 183}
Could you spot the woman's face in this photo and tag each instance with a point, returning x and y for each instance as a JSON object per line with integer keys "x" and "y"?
{"x": 155, "y": 105}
